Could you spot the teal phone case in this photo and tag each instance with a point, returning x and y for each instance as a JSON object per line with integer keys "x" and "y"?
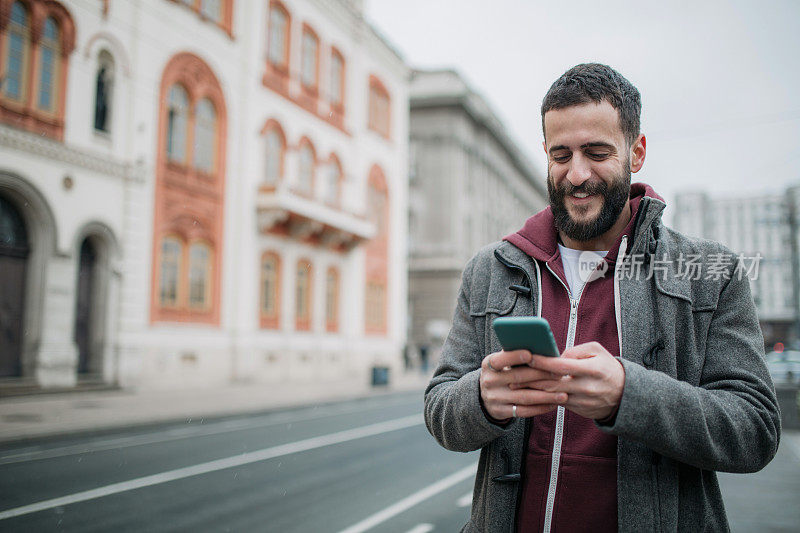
{"x": 526, "y": 333}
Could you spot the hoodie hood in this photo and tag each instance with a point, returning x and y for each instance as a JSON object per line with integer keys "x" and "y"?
{"x": 539, "y": 238}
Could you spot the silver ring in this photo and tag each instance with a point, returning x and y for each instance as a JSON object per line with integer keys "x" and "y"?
{"x": 489, "y": 364}
{"x": 513, "y": 410}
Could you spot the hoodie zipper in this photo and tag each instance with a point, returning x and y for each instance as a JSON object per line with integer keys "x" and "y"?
{"x": 623, "y": 247}
{"x": 559, "y": 434}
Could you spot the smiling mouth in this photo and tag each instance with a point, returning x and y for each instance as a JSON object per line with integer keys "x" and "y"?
{"x": 581, "y": 197}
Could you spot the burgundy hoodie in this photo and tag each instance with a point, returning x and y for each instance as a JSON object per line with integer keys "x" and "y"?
{"x": 586, "y": 485}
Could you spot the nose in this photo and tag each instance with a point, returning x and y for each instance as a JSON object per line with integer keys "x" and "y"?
{"x": 579, "y": 170}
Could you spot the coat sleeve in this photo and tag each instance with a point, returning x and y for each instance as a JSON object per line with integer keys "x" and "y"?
{"x": 731, "y": 421}
{"x": 453, "y": 412}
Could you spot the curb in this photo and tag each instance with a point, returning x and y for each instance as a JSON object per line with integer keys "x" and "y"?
{"x": 106, "y": 429}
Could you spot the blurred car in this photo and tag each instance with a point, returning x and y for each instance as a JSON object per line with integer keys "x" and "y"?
{"x": 784, "y": 367}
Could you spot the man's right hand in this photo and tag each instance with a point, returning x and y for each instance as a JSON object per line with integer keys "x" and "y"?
{"x": 499, "y": 370}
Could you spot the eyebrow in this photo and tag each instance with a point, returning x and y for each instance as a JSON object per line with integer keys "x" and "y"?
{"x": 584, "y": 146}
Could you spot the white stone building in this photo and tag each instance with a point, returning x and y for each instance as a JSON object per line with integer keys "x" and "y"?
{"x": 753, "y": 225}
{"x": 469, "y": 185}
{"x": 197, "y": 192}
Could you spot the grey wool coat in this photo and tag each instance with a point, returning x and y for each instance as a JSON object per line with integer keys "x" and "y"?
{"x": 697, "y": 396}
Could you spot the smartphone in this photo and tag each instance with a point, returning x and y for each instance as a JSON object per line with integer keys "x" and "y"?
{"x": 530, "y": 333}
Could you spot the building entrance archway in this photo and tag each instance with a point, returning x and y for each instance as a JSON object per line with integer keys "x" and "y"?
{"x": 14, "y": 250}
{"x": 84, "y": 307}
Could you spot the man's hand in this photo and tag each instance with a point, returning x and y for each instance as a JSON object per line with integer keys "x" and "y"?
{"x": 499, "y": 370}
{"x": 590, "y": 375}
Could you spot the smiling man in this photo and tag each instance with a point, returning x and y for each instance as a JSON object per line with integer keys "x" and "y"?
{"x": 661, "y": 381}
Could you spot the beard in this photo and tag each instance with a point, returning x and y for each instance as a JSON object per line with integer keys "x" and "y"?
{"x": 614, "y": 197}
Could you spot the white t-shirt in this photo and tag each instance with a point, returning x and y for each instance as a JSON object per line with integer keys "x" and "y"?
{"x": 578, "y": 267}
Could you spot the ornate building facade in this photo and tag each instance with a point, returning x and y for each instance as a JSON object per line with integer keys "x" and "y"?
{"x": 196, "y": 192}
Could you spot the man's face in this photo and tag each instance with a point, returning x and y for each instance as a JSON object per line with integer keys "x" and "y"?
{"x": 588, "y": 170}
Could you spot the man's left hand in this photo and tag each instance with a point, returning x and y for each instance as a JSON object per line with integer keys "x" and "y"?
{"x": 592, "y": 378}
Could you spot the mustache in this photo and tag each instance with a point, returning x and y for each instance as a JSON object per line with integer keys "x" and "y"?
{"x": 587, "y": 187}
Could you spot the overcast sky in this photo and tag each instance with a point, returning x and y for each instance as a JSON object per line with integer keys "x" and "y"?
{"x": 720, "y": 81}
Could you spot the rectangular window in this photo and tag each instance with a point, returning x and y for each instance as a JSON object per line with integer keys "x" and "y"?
{"x": 308, "y": 72}
{"x": 379, "y": 109}
{"x": 211, "y": 9}
{"x": 46, "y": 79}
{"x": 170, "y": 272}
{"x": 375, "y": 306}
{"x": 303, "y": 297}
{"x": 337, "y": 79}
{"x": 199, "y": 269}
{"x": 332, "y": 301}
{"x": 269, "y": 287}
{"x": 277, "y": 37}
{"x": 205, "y": 136}
{"x": 14, "y": 80}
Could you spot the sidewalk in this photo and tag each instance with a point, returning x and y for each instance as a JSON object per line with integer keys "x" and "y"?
{"x": 46, "y": 415}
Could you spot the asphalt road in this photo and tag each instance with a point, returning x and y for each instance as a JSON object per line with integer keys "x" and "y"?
{"x": 347, "y": 467}
{"x": 365, "y": 465}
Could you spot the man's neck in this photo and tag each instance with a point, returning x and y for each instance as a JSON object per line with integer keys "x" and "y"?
{"x": 606, "y": 240}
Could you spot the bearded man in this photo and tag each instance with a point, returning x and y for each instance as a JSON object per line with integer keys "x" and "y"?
{"x": 661, "y": 380}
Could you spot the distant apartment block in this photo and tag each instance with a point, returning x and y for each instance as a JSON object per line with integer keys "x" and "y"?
{"x": 469, "y": 185}
{"x": 765, "y": 225}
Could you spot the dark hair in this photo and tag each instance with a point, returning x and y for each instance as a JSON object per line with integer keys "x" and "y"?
{"x": 593, "y": 82}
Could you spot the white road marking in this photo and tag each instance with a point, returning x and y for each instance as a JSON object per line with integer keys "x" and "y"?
{"x": 465, "y": 500}
{"x": 422, "y": 528}
{"x": 412, "y": 500}
{"x": 219, "y": 464}
{"x": 213, "y": 428}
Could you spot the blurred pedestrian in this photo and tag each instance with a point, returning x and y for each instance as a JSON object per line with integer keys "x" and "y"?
{"x": 661, "y": 380}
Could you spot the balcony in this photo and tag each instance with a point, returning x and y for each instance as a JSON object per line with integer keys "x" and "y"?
{"x": 284, "y": 210}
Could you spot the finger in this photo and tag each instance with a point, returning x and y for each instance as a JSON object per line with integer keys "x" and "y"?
{"x": 545, "y": 383}
{"x": 505, "y": 359}
{"x": 567, "y": 384}
{"x": 565, "y": 366}
{"x": 532, "y": 397}
{"x": 526, "y": 374}
{"x": 585, "y": 350}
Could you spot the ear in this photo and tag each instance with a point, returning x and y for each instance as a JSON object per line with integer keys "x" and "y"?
{"x": 638, "y": 151}
{"x": 544, "y": 145}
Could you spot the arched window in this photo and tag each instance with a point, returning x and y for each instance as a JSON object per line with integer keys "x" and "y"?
{"x": 190, "y": 187}
{"x": 305, "y": 173}
{"x": 177, "y": 123}
{"x": 303, "y": 295}
{"x": 275, "y": 149}
{"x": 333, "y": 178}
{"x": 309, "y": 66}
{"x": 104, "y": 88}
{"x": 205, "y": 127}
{"x": 171, "y": 253}
{"x": 50, "y": 54}
{"x": 17, "y": 52}
{"x": 279, "y": 27}
{"x": 379, "y": 107}
{"x": 199, "y": 276}
{"x": 36, "y": 40}
{"x": 332, "y": 300}
{"x": 270, "y": 290}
